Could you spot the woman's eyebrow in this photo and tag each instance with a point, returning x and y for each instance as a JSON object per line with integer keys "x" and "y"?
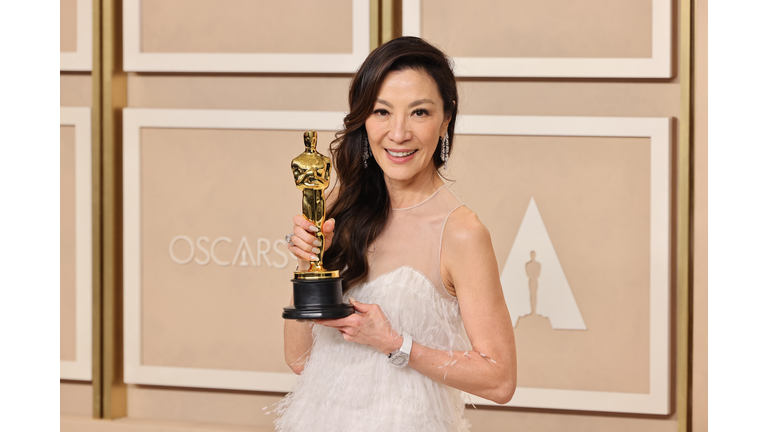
{"x": 419, "y": 102}
{"x": 382, "y": 101}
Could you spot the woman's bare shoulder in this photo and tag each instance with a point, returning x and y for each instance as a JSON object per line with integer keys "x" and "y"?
{"x": 463, "y": 227}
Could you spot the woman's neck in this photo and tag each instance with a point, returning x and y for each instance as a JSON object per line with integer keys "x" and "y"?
{"x": 403, "y": 194}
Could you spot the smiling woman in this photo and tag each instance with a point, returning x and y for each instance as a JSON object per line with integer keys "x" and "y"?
{"x": 431, "y": 320}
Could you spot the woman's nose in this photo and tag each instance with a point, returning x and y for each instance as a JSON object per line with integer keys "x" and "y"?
{"x": 399, "y": 132}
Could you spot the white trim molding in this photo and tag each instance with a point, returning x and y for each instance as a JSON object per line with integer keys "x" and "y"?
{"x": 135, "y": 60}
{"x": 82, "y": 59}
{"x": 80, "y": 368}
{"x": 134, "y": 119}
{"x": 659, "y": 65}
{"x": 657, "y": 129}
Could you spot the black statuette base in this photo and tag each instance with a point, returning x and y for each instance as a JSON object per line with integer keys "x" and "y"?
{"x": 317, "y": 299}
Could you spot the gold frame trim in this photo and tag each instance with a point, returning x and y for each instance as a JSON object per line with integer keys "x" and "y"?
{"x": 684, "y": 225}
{"x": 109, "y": 98}
{"x": 391, "y": 20}
{"x": 96, "y": 143}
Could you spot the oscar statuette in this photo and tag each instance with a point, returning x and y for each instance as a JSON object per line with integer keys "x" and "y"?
{"x": 317, "y": 291}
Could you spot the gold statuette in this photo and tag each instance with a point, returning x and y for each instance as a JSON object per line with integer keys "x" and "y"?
{"x": 317, "y": 292}
{"x": 312, "y": 173}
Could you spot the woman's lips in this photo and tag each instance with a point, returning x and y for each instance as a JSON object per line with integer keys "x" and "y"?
{"x": 400, "y": 156}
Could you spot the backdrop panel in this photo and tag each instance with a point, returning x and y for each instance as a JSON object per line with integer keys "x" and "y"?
{"x": 550, "y": 38}
{"x": 75, "y": 243}
{"x": 245, "y": 36}
{"x": 76, "y": 35}
{"x": 595, "y": 192}
{"x": 246, "y": 26}
{"x": 207, "y": 204}
{"x": 206, "y": 273}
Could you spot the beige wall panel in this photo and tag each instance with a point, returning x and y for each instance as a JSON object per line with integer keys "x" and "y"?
{"x": 619, "y": 99}
{"x": 594, "y": 198}
{"x": 629, "y": 99}
{"x": 75, "y": 89}
{"x": 68, "y": 336}
{"x": 76, "y": 398}
{"x": 310, "y": 93}
{"x": 700, "y": 220}
{"x": 204, "y": 406}
{"x": 498, "y": 420}
{"x": 68, "y": 26}
{"x": 217, "y": 183}
{"x": 542, "y": 28}
{"x": 246, "y": 26}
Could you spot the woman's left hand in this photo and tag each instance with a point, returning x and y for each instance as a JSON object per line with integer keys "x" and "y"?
{"x": 369, "y": 326}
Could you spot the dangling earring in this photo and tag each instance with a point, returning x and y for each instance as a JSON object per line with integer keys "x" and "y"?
{"x": 366, "y": 150}
{"x": 444, "y": 150}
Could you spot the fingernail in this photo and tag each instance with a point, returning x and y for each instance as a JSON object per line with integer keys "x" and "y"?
{"x": 352, "y": 299}
{"x": 313, "y": 228}
{"x": 331, "y": 220}
{"x": 318, "y": 244}
{"x": 316, "y": 250}
{"x": 314, "y": 258}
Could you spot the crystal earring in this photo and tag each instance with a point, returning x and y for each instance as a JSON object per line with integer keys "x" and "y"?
{"x": 366, "y": 150}
{"x": 444, "y": 150}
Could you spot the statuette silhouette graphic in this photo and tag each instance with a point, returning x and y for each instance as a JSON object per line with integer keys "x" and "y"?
{"x": 533, "y": 279}
{"x": 533, "y": 270}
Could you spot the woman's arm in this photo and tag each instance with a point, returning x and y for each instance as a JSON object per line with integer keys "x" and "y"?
{"x": 468, "y": 261}
{"x": 297, "y": 336}
{"x": 298, "y": 343}
{"x": 469, "y": 264}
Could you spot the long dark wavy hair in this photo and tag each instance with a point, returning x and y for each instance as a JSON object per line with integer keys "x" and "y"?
{"x": 362, "y": 205}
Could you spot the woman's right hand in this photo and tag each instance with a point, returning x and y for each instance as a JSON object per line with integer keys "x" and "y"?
{"x": 305, "y": 245}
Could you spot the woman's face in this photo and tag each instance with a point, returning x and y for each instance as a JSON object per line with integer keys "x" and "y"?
{"x": 406, "y": 124}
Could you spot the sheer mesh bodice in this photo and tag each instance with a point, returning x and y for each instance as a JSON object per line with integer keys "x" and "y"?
{"x": 347, "y": 386}
{"x": 413, "y": 238}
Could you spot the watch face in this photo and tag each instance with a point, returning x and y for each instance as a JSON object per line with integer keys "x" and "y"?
{"x": 399, "y": 359}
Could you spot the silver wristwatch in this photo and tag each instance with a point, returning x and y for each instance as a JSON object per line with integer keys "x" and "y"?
{"x": 400, "y": 357}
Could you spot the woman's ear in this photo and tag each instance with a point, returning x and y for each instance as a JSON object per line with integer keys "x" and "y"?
{"x": 448, "y": 118}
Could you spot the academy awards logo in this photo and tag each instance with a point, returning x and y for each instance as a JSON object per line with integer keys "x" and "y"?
{"x": 533, "y": 279}
{"x": 220, "y": 252}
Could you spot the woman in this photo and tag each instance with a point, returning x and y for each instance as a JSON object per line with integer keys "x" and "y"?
{"x": 412, "y": 257}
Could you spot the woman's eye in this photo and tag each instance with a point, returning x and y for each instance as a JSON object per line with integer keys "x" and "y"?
{"x": 420, "y": 112}
{"x": 381, "y": 112}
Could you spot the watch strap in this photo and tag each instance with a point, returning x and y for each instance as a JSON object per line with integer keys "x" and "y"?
{"x": 407, "y": 344}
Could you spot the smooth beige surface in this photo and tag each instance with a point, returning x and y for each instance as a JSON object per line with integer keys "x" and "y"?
{"x": 124, "y": 424}
{"x": 67, "y": 303}
{"x": 246, "y": 26}
{"x": 542, "y": 28}
{"x": 700, "y": 240}
{"x": 309, "y": 93}
{"x": 75, "y": 89}
{"x": 620, "y": 99}
{"x": 200, "y": 405}
{"x": 217, "y": 183}
{"x": 68, "y": 25}
{"x": 76, "y": 398}
{"x": 629, "y": 99}
{"x": 502, "y": 420}
{"x": 594, "y": 198}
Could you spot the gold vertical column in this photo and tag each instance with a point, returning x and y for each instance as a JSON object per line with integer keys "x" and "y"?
{"x": 391, "y": 20}
{"x": 684, "y": 215}
{"x": 375, "y": 24}
{"x": 96, "y": 145}
{"x": 110, "y": 87}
